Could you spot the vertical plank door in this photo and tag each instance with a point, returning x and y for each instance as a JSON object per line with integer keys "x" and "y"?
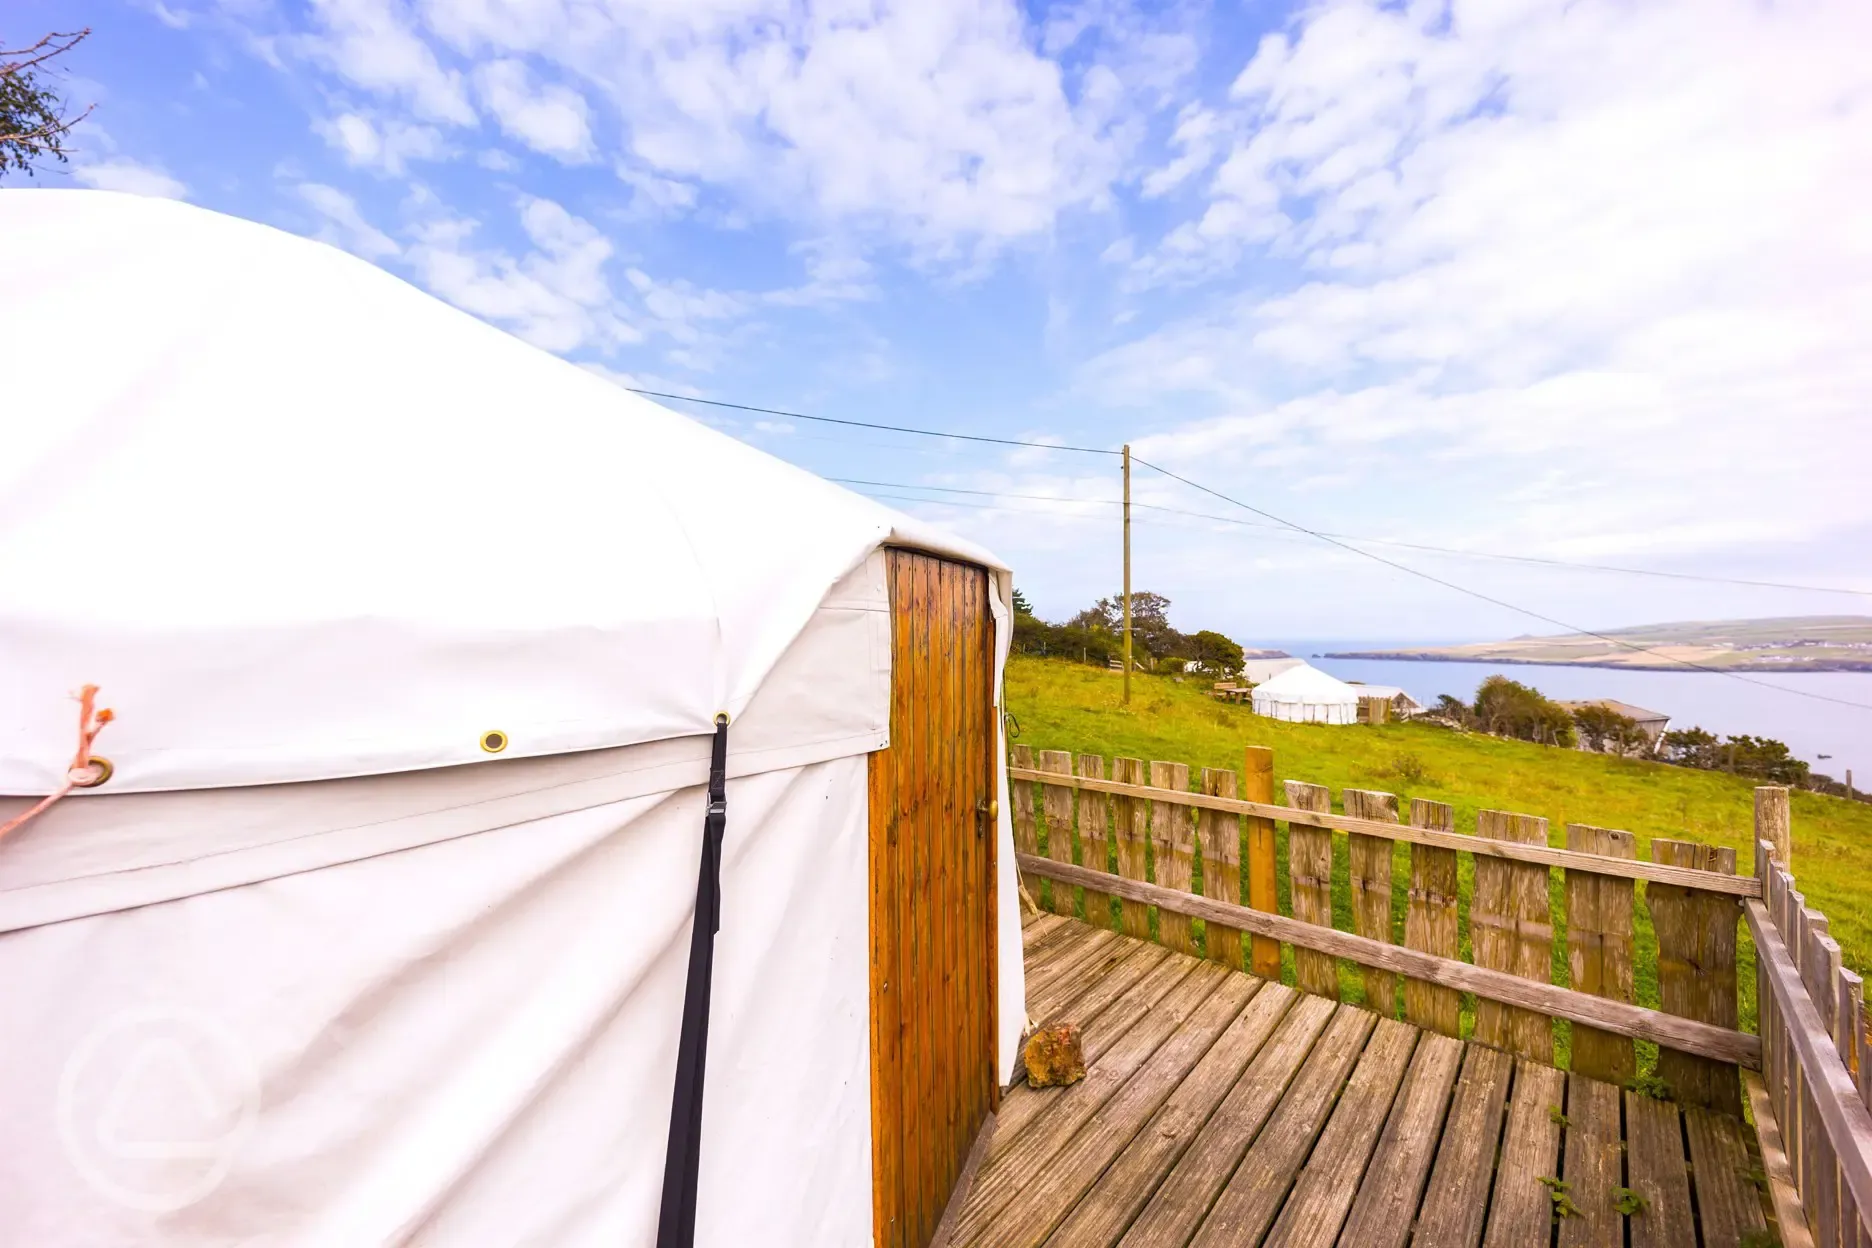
{"x": 932, "y": 871}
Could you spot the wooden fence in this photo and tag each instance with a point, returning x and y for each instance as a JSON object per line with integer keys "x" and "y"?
{"x": 1815, "y": 1089}
{"x": 1139, "y": 835}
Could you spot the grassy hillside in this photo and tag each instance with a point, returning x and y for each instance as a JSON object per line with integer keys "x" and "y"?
{"x": 1068, "y": 706}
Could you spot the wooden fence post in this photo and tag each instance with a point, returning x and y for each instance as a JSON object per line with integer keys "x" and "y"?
{"x": 1131, "y": 833}
{"x": 1696, "y": 935}
{"x": 1263, "y": 892}
{"x": 1600, "y": 950}
{"x": 1094, "y": 839}
{"x": 1774, "y": 823}
{"x": 1056, "y": 801}
{"x": 1173, "y": 838}
{"x": 1309, "y": 873}
{"x": 1021, "y": 795}
{"x": 1430, "y": 921}
{"x": 1370, "y": 874}
{"x": 1221, "y": 853}
{"x": 1511, "y": 929}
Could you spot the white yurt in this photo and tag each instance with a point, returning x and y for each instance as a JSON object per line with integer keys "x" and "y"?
{"x": 1306, "y": 695}
{"x": 448, "y": 683}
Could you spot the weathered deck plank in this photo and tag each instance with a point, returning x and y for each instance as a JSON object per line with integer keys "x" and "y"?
{"x": 1109, "y": 1209}
{"x": 1177, "y": 1209}
{"x": 1081, "y": 999}
{"x": 1061, "y": 997}
{"x": 1521, "y": 1210}
{"x": 1037, "y": 1202}
{"x": 1067, "y": 957}
{"x": 1457, "y": 1198}
{"x": 1728, "y": 1203}
{"x": 1654, "y": 1155}
{"x": 1253, "y": 1196}
{"x": 1023, "y": 1104}
{"x": 1326, "y": 1188}
{"x": 1386, "y": 1207}
{"x": 1594, "y": 1167}
{"x": 1222, "y": 1110}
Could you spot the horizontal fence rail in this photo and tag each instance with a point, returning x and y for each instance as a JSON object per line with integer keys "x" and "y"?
{"x": 1718, "y": 1043}
{"x": 1139, "y": 835}
{"x": 1159, "y": 845}
{"x": 1545, "y": 855}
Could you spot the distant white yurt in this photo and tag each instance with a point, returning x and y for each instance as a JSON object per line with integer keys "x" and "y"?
{"x": 444, "y": 674}
{"x": 1306, "y": 695}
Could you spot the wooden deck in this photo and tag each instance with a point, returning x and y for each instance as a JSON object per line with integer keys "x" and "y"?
{"x": 1219, "y": 1109}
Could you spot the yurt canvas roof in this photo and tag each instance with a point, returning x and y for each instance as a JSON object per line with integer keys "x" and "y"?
{"x": 1306, "y": 684}
{"x": 1260, "y": 671}
{"x": 245, "y": 476}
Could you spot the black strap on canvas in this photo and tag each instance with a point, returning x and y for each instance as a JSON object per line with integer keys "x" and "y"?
{"x": 676, "y": 1223}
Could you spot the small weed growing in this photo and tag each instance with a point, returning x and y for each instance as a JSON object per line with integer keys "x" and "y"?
{"x": 1652, "y": 1086}
{"x": 1561, "y": 1193}
{"x": 1630, "y": 1203}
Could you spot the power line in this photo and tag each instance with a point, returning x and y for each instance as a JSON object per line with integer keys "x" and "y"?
{"x": 866, "y": 424}
{"x": 1343, "y": 544}
{"x": 1508, "y": 606}
{"x": 1380, "y": 541}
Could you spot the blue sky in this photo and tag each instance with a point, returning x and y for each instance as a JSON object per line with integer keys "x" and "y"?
{"x": 1582, "y": 281}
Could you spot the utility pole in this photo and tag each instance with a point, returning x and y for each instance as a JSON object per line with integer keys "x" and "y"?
{"x": 1127, "y": 573}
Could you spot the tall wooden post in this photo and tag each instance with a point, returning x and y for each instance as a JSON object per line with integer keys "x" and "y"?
{"x": 1773, "y": 823}
{"x": 1258, "y": 786}
{"x": 1127, "y": 572}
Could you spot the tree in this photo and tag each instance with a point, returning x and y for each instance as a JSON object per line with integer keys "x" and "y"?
{"x": 1607, "y": 731}
{"x": 1021, "y": 605}
{"x": 1150, "y": 622}
{"x": 1508, "y": 708}
{"x": 1452, "y": 708}
{"x": 34, "y": 124}
{"x": 1692, "y": 747}
{"x": 1216, "y": 653}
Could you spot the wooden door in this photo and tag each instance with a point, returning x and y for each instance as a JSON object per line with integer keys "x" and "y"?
{"x": 932, "y": 896}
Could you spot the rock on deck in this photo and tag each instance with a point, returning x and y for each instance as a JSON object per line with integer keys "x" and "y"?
{"x": 1222, "y": 1109}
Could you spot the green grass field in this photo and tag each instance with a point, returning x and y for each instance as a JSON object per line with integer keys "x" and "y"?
{"x": 1062, "y": 705}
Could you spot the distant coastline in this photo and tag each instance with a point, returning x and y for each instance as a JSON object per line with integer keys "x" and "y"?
{"x": 1637, "y": 665}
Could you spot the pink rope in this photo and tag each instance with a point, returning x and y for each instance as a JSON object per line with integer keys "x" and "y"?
{"x": 90, "y": 723}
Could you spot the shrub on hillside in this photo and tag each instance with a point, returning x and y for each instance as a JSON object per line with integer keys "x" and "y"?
{"x": 1603, "y": 729}
{"x": 1508, "y": 708}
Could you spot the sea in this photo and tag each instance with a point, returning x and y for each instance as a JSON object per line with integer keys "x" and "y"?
{"x": 1824, "y": 717}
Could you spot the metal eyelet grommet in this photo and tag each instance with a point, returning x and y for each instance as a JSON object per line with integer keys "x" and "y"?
{"x": 99, "y": 771}
{"x": 494, "y": 741}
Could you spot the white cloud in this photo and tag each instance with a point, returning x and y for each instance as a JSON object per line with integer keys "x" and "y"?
{"x": 385, "y": 144}
{"x": 950, "y": 129}
{"x": 557, "y": 296}
{"x": 370, "y": 45}
{"x": 653, "y": 196}
{"x": 550, "y": 119}
{"x": 120, "y": 173}
{"x": 834, "y": 274}
{"x": 1614, "y": 248}
{"x": 342, "y": 224}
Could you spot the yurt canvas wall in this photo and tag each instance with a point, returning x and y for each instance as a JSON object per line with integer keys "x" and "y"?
{"x": 314, "y": 968}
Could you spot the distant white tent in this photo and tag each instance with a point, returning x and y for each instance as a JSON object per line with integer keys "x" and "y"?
{"x": 1306, "y": 695}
